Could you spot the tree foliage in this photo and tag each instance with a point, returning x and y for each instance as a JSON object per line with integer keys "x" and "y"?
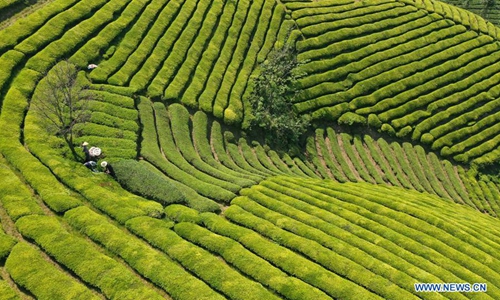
{"x": 273, "y": 96}
{"x": 62, "y": 101}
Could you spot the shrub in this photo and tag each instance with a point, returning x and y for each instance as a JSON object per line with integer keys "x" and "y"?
{"x": 427, "y": 138}
{"x": 374, "y": 121}
{"x": 181, "y": 213}
{"x": 404, "y": 131}
{"x": 109, "y": 52}
{"x": 137, "y": 178}
{"x": 388, "y": 128}
{"x": 350, "y": 118}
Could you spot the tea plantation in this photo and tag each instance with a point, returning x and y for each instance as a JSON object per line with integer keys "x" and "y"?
{"x": 395, "y": 183}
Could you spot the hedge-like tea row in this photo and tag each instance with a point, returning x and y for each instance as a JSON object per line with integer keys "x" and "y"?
{"x": 446, "y": 135}
{"x": 462, "y": 42}
{"x": 7, "y": 292}
{"x": 479, "y": 8}
{"x": 143, "y": 62}
{"x": 113, "y": 279}
{"x": 473, "y": 20}
{"x": 208, "y": 267}
{"x": 303, "y": 196}
{"x": 401, "y": 33}
{"x": 319, "y": 254}
{"x": 149, "y": 262}
{"x": 413, "y": 162}
{"x": 336, "y": 151}
{"x": 189, "y": 175}
{"x": 137, "y": 178}
{"x": 204, "y": 148}
{"x": 150, "y": 150}
{"x": 381, "y": 161}
{"x": 482, "y": 192}
{"x": 369, "y": 79}
{"x": 306, "y": 207}
{"x": 351, "y": 18}
{"x": 266, "y": 161}
{"x": 226, "y": 49}
{"x": 180, "y": 121}
{"x": 416, "y": 65}
{"x": 130, "y": 42}
{"x": 391, "y": 215}
{"x": 179, "y": 83}
{"x": 354, "y": 157}
{"x": 223, "y": 71}
{"x": 249, "y": 263}
{"x": 6, "y": 244}
{"x": 179, "y": 50}
{"x": 14, "y": 34}
{"x": 472, "y": 65}
{"x": 345, "y": 158}
{"x": 219, "y": 143}
{"x": 327, "y": 167}
{"x": 367, "y": 161}
{"x": 243, "y": 156}
{"x": 163, "y": 47}
{"x": 30, "y": 270}
{"x": 72, "y": 38}
{"x": 103, "y": 118}
{"x": 324, "y": 14}
{"x": 209, "y": 59}
{"x": 55, "y": 27}
{"x": 94, "y": 48}
{"x": 198, "y": 155}
{"x": 347, "y": 239}
{"x": 15, "y": 197}
{"x": 236, "y": 105}
{"x": 8, "y": 63}
{"x": 351, "y": 249}
{"x": 384, "y": 211}
{"x": 449, "y": 237}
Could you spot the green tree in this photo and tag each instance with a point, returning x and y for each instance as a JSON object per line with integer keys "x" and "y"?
{"x": 62, "y": 101}
{"x": 274, "y": 92}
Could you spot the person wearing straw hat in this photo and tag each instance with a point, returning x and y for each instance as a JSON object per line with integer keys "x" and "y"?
{"x": 108, "y": 169}
{"x": 86, "y": 151}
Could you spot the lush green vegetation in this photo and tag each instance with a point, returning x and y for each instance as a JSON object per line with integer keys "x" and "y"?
{"x": 139, "y": 179}
{"x": 395, "y": 182}
{"x": 272, "y": 99}
{"x": 449, "y": 106}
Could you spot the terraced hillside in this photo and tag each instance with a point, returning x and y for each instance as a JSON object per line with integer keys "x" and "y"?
{"x": 388, "y": 190}
{"x": 487, "y": 9}
{"x": 424, "y": 74}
